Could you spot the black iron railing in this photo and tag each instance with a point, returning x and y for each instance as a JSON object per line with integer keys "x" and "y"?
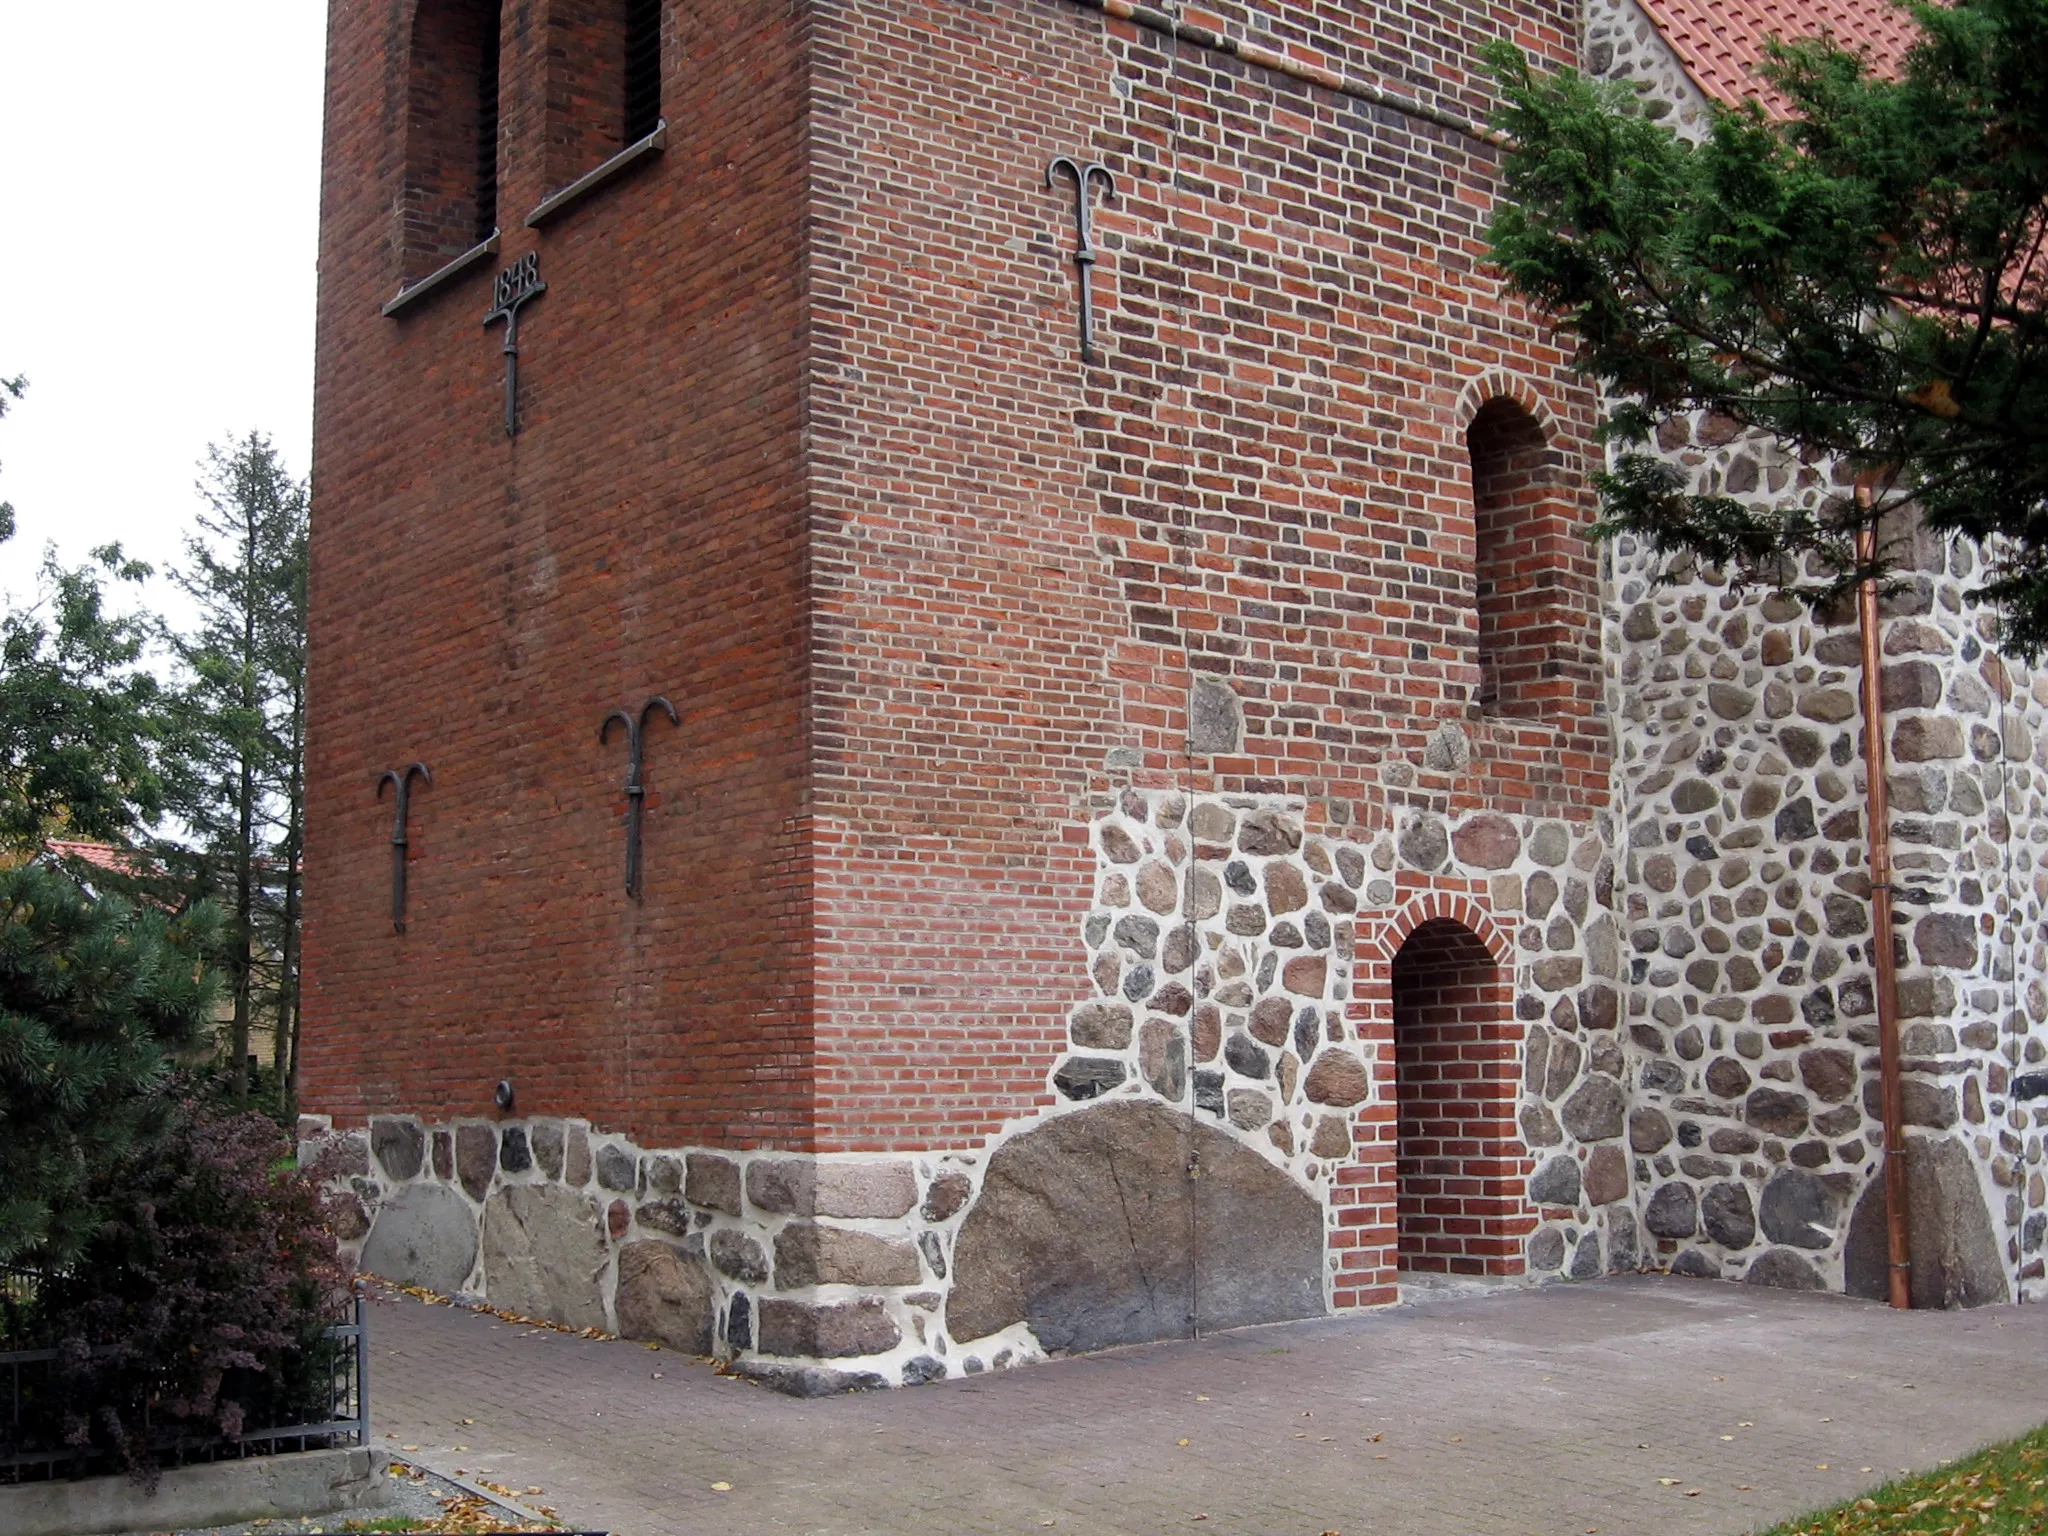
{"x": 31, "y": 1441}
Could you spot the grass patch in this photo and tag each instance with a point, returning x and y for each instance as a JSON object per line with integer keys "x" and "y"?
{"x": 390, "y": 1525}
{"x": 2000, "y": 1491}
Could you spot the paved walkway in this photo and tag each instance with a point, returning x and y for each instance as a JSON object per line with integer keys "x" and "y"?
{"x": 1567, "y": 1410}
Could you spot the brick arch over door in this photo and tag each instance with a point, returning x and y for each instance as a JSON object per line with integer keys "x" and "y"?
{"x": 1433, "y": 998}
{"x": 1460, "y": 1169}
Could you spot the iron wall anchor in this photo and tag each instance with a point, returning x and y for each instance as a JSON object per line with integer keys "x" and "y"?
{"x": 636, "y": 786}
{"x": 400, "y": 779}
{"x": 515, "y": 286}
{"x": 1084, "y": 174}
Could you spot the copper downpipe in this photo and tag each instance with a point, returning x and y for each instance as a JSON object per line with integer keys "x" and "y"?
{"x": 1883, "y": 959}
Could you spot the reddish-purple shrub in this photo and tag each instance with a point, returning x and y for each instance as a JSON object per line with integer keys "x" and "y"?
{"x": 198, "y": 1308}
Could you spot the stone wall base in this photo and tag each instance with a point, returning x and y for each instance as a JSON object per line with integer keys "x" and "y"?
{"x": 285, "y": 1487}
{"x": 1115, "y": 1222}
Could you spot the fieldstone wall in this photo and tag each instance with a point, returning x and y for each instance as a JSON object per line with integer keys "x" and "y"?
{"x": 1622, "y": 43}
{"x": 1739, "y": 778}
{"x": 1752, "y": 1021}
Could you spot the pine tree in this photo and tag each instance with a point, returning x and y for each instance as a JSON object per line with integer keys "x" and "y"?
{"x": 97, "y": 997}
{"x": 241, "y": 793}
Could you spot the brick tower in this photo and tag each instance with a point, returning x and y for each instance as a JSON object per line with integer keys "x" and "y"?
{"x": 1136, "y": 771}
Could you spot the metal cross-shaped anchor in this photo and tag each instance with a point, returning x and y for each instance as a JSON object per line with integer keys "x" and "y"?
{"x": 636, "y": 787}
{"x": 516, "y": 284}
{"x": 1084, "y": 230}
{"x": 400, "y": 779}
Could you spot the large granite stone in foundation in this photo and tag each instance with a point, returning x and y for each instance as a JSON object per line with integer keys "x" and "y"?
{"x": 424, "y": 1235}
{"x": 1956, "y": 1262}
{"x": 664, "y": 1296}
{"x": 1089, "y": 1229}
{"x": 544, "y": 1255}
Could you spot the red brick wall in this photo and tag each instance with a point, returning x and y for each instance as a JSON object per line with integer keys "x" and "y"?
{"x": 1022, "y": 561}
{"x": 481, "y": 604}
{"x": 1459, "y": 1167}
{"x": 820, "y": 461}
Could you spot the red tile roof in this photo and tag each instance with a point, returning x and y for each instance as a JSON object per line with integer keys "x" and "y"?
{"x": 1721, "y": 42}
{"x": 99, "y": 855}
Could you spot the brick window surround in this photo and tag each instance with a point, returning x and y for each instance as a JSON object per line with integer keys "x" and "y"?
{"x": 604, "y": 65}
{"x": 1527, "y": 616}
{"x": 1458, "y": 1160}
{"x": 451, "y": 146}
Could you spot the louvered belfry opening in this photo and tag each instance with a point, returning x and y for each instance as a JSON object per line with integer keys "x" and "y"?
{"x": 451, "y": 186}
{"x": 487, "y": 132}
{"x": 643, "y": 68}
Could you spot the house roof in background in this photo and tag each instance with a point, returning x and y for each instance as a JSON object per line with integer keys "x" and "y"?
{"x": 99, "y": 855}
{"x": 1721, "y": 42}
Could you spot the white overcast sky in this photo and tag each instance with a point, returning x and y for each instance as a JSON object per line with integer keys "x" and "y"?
{"x": 160, "y": 168}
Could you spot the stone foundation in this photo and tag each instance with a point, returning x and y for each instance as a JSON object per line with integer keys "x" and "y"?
{"x": 1222, "y": 1150}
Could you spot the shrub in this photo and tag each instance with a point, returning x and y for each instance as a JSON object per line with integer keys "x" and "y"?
{"x": 197, "y": 1308}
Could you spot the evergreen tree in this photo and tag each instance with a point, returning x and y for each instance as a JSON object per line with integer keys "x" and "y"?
{"x": 97, "y": 997}
{"x": 241, "y": 793}
{"x": 1866, "y": 280}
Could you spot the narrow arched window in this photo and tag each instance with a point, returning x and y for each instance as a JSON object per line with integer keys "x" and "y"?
{"x": 451, "y": 173}
{"x": 643, "y": 68}
{"x": 1517, "y": 563}
{"x": 604, "y": 86}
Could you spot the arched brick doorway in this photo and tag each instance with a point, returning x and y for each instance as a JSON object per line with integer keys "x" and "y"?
{"x": 1459, "y": 1164}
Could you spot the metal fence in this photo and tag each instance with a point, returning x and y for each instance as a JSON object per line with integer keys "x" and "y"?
{"x": 31, "y": 1448}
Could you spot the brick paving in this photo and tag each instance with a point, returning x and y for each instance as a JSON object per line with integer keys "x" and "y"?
{"x": 1550, "y": 1412}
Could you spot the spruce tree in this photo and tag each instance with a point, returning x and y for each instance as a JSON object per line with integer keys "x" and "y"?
{"x": 241, "y": 791}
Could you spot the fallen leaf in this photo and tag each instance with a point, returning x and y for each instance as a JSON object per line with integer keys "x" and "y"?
{"x": 1198, "y": 1517}
{"x": 1743, "y": 1488}
{"x": 408, "y": 1447}
{"x": 1668, "y": 1482}
{"x": 536, "y": 1490}
{"x": 1693, "y": 1493}
{"x": 1376, "y": 1439}
{"x": 1200, "y": 1399}
{"x": 656, "y": 1376}
{"x": 721, "y": 1487}
{"x": 1180, "y": 1442}
{"x": 1457, "y": 1439}
{"x": 1820, "y": 1466}
{"x": 468, "y": 1421}
{"x": 462, "y": 1447}
{"x": 1727, "y": 1437}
